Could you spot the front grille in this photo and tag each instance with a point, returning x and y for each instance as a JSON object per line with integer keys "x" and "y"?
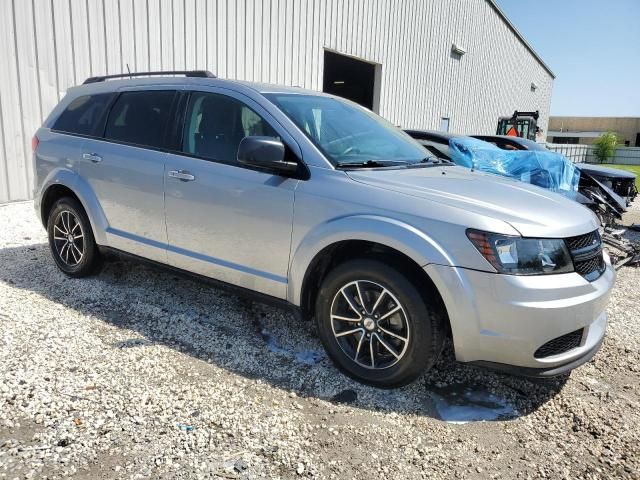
{"x": 586, "y": 252}
{"x": 582, "y": 241}
{"x": 586, "y": 267}
{"x": 560, "y": 345}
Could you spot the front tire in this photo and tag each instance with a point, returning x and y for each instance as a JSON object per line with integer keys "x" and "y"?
{"x": 376, "y": 326}
{"x": 71, "y": 240}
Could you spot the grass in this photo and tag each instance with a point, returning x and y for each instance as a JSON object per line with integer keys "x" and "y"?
{"x": 630, "y": 168}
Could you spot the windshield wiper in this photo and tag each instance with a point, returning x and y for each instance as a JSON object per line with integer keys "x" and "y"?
{"x": 434, "y": 161}
{"x": 371, "y": 164}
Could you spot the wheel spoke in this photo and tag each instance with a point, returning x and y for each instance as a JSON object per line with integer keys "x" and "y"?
{"x": 344, "y": 319}
{"x": 361, "y": 297}
{"x": 60, "y": 238}
{"x": 378, "y": 300}
{"x": 66, "y": 224}
{"x": 65, "y": 252}
{"x": 73, "y": 245}
{"x": 56, "y": 227}
{"x": 73, "y": 253}
{"x": 373, "y": 361}
{"x": 386, "y": 346}
{"x": 350, "y": 302}
{"x": 77, "y": 224}
{"x": 388, "y": 332}
{"x": 349, "y": 332}
{"x": 76, "y": 237}
{"x": 390, "y": 312}
{"x": 359, "y": 346}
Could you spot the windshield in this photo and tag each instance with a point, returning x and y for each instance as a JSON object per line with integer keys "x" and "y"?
{"x": 348, "y": 134}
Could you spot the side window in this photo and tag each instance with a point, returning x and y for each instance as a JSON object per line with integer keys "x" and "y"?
{"x": 84, "y": 115}
{"x": 140, "y": 118}
{"x": 215, "y": 125}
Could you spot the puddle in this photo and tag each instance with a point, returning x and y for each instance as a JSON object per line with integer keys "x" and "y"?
{"x": 463, "y": 403}
{"x": 307, "y": 357}
{"x": 310, "y": 357}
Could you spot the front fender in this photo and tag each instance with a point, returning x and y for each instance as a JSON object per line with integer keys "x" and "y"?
{"x": 79, "y": 186}
{"x": 400, "y": 236}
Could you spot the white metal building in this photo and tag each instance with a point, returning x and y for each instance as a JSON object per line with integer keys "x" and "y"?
{"x": 404, "y": 66}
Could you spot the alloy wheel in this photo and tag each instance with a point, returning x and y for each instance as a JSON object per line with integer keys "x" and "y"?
{"x": 68, "y": 238}
{"x": 369, "y": 324}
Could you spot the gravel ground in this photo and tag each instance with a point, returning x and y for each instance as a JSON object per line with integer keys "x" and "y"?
{"x": 136, "y": 373}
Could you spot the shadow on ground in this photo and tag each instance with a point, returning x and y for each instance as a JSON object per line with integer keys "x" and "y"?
{"x": 258, "y": 341}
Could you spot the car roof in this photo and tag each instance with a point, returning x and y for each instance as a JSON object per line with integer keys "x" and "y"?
{"x": 525, "y": 143}
{"x": 111, "y": 85}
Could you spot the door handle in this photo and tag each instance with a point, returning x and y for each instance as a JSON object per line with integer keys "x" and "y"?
{"x": 181, "y": 175}
{"x": 94, "y": 157}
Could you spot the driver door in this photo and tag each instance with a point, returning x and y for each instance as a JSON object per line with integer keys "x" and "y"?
{"x": 224, "y": 220}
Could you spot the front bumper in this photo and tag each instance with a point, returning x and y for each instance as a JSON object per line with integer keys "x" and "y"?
{"x": 544, "y": 372}
{"x": 499, "y": 321}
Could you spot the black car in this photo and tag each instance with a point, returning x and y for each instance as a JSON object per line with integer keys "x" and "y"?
{"x": 623, "y": 183}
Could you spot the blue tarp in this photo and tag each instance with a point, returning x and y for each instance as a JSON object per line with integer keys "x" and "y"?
{"x": 545, "y": 169}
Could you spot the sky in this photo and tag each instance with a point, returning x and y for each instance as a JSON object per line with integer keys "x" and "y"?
{"x": 592, "y": 46}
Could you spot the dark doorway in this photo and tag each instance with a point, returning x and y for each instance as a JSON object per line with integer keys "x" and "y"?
{"x": 349, "y": 78}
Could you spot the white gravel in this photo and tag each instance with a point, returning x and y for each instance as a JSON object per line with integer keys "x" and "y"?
{"x": 136, "y": 373}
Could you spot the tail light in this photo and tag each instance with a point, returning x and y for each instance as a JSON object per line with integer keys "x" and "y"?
{"x": 34, "y": 143}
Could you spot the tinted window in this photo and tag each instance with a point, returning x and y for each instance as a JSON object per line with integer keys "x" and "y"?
{"x": 140, "y": 118}
{"x": 84, "y": 115}
{"x": 215, "y": 125}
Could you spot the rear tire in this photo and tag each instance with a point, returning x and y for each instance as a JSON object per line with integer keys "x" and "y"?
{"x": 375, "y": 324}
{"x": 71, "y": 240}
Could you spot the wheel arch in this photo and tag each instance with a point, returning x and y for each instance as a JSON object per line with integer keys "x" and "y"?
{"x": 387, "y": 240}
{"x": 68, "y": 184}
{"x": 51, "y": 195}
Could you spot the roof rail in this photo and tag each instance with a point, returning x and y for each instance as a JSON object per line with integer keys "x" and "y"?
{"x": 186, "y": 73}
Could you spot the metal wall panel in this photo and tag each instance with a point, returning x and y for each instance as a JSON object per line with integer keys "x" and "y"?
{"x": 48, "y": 45}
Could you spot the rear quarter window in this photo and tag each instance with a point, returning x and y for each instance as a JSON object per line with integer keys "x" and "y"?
{"x": 85, "y": 115}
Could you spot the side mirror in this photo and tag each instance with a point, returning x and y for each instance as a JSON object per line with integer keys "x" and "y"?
{"x": 265, "y": 153}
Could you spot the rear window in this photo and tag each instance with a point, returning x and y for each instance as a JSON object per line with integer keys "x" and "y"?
{"x": 84, "y": 115}
{"x": 140, "y": 118}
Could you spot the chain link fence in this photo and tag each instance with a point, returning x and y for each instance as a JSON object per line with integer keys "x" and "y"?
{"x": 584, "y": 154}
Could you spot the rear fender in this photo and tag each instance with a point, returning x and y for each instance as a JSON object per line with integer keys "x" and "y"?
{"x": 84, "y": 192}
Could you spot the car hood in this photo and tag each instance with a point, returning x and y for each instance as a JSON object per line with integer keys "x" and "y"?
{"x": 601, "y": 171}
{"x": 531, "y": 210}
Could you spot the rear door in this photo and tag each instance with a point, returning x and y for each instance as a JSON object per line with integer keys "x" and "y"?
{"x": 125, "y": 169}
{"x": 83, "y": 117}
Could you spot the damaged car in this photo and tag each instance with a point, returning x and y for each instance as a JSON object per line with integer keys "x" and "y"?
{"x": 586, "y": 189}
{"x": 621, "y": 182}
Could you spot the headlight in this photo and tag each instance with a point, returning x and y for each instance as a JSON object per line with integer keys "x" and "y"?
{"x": 522, "y": 256}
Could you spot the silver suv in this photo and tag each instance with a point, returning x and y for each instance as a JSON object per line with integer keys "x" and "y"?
{"x": 317, "y": 203}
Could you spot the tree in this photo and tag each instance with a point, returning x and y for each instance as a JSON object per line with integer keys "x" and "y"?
{"x": 605, "y": 146}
